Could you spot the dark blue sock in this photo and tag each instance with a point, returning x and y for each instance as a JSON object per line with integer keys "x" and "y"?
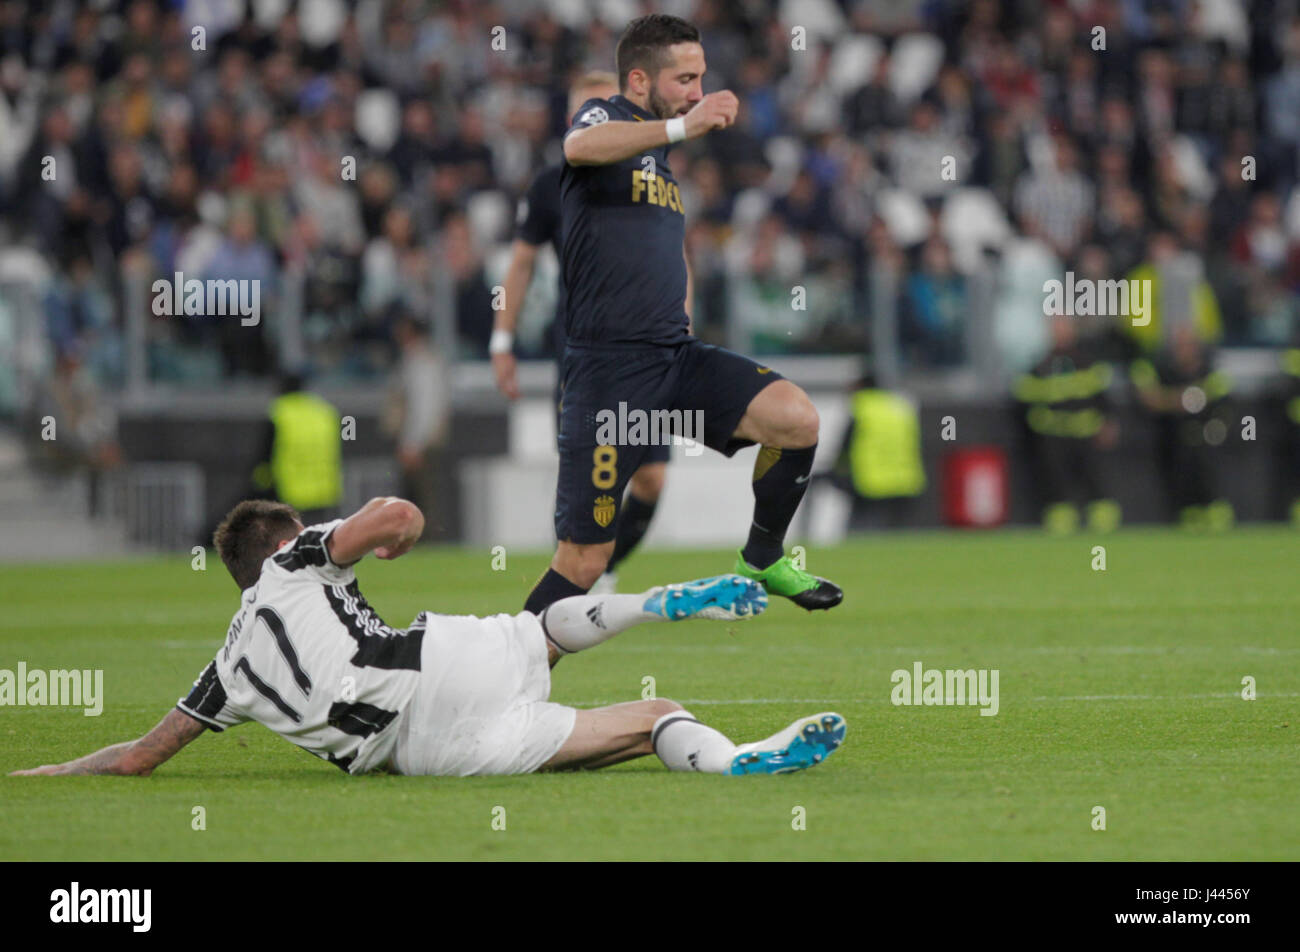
{"x": 550, "y": 588}
{"x": 633, "y": 522}
{"x": 780, "y": 480}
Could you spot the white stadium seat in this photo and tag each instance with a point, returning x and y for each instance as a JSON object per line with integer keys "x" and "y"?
{"x": 971, "y": 221}
{"x": 379, "y": 118}
{"x": 916, "y": 62}
{"x": 854, "y": 61}
{"x": 904, "y": 215}
{"x": 489, "y": 215}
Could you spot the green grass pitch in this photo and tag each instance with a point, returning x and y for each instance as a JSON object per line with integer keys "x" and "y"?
{"x": 1118, "y": 688}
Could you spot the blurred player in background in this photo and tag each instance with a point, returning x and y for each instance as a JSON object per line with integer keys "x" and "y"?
{"x": 538, "y": 224}
{"x": 628, "y": 334}
{"x": 418, "y": 417}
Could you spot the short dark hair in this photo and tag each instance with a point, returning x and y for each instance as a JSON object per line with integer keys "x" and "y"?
{"x": 645, "y": 42}
{"x": 249, "y": 533}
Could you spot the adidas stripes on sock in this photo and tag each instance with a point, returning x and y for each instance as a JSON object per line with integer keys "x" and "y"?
{"x": 683, "y": 743}
{"x": 583, "y": 621}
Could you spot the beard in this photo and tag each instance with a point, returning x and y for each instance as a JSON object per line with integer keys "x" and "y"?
{"x": 660, "y": 107}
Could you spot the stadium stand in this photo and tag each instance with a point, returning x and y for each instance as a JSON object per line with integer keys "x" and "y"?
{"x": 361, "y": 160}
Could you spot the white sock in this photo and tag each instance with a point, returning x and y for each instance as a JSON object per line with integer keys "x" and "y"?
{"x": 582, "y": 621}
{"x": 683, "y": 743}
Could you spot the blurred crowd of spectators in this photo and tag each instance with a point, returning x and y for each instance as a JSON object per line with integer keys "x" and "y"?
{"x": 905, "y": 145}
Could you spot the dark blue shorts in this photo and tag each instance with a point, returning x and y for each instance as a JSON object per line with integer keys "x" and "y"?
{"x": 659, "y": 453}
{"x": 622, "y": 407}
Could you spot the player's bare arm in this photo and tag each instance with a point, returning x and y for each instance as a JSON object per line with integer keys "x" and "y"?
{"x": 386, "y": 525}
{"x": 523, "y": 258}
{"x": 612, "y": 142}
{"x": 133, "y": 758}
{"x": 615, "y": 141}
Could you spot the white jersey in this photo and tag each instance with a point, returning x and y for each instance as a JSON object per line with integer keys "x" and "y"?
{"x": 306, "y": 656}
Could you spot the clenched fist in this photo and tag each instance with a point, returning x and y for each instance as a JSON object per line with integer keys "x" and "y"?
{"x": 714, "y": 111}
{"x": 505, "y": 368}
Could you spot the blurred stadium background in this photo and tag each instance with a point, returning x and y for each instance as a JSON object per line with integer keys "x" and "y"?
{"x": 1172, "y": 154}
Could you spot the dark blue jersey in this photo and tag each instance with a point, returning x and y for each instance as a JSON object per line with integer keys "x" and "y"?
{"x": 621, "y": 247}
{"x": 538, "y": 222}
{"x": 538, "y": 219}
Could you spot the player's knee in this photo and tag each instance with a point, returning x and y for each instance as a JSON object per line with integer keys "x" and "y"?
{"x": 661, "y": 706}
{"x": 653, "y": 710}
{"x": 803, "y": 423}
{"x": 582, "y": 564}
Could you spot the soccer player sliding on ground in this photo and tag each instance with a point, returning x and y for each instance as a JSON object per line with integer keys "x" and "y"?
{"x": 452, "y": 695}
{"x": 629, "y": 345}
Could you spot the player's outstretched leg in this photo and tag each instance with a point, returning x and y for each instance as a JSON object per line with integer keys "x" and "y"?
{"x": 784, "y": 421}
{"x": 611, "y": 735}
{"x": 683, "y": 743}
{"x": 583, "y": 621}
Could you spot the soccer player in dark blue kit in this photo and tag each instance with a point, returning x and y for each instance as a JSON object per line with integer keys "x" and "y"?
{"x": 538, "y": 224}
{"x": 628, "y": 334}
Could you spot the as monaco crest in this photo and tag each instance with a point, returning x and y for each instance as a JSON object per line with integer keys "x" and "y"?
{"x": 604, "y": 511}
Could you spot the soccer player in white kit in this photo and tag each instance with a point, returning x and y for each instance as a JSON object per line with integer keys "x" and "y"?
{"x": 452, "y": 695}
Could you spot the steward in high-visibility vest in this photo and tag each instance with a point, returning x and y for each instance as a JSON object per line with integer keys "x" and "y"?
{"x": 305, "y": 468}
{"x": 885, "y": 448}
{"x": 1067, "y": 412}
{"x": 880, "y": 460}
{"x": 1149, "y": 335}
{"x": 1291, "y": 407}
{"x": 1184, "y": 394}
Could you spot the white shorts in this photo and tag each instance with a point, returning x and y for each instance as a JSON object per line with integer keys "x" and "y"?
{"x": 481, "y": 704}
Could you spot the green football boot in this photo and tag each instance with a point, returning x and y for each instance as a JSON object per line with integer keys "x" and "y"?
{"x": 782, "y": 578}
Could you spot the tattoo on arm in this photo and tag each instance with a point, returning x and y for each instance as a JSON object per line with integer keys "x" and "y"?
{"x": 139, "y": 757}
{"x": 161, "y": 744}
{"x": 106, "y": 761}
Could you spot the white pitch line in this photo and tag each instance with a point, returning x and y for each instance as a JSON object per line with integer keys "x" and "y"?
{"x": 1163, "y": 697}
{"x": 700, "y": 701}
{"x": 1146, "y": 649}
{"x": 745, "y": 700}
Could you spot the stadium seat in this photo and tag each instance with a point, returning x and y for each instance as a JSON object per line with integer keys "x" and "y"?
{"x": 904, "y": 214}
{"x": 785, "y": 155}
{"x": 751, "y": 206}
{"x": 1291, "y": 215}
{"x": 853, "y": 62}
{"x": 973, "y": 220}
{"x": 916, "y": 61}
{"x": 20, "y": 265}
{"x": 821, "y": 18}
{"x": 379, "y": 118}
{"x": 1192, "y": 171}
{"x": 489, "y": 215}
